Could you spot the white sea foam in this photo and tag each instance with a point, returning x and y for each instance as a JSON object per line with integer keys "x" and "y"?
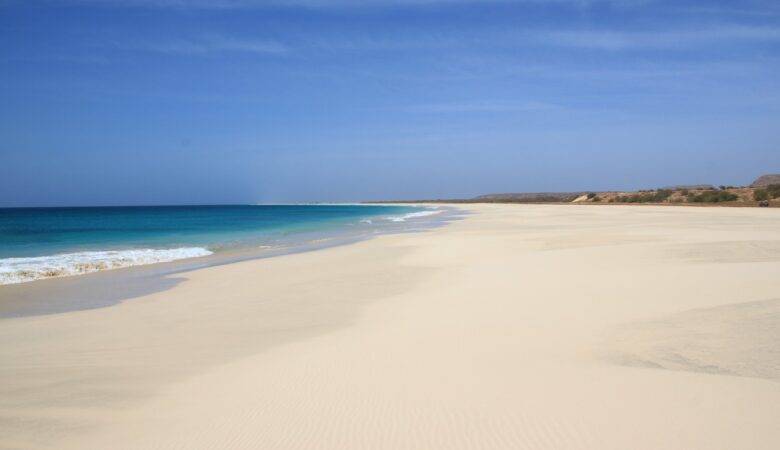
{"x": 21, "y": 270}
{"x": 428, "y": 212}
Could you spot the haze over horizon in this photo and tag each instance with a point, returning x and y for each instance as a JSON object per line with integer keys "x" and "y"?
{"x": 117, "y": 102}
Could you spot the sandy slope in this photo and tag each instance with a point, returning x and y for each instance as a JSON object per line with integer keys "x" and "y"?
{"x": 520, "y": 327}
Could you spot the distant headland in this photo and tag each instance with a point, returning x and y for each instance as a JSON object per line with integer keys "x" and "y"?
{"x": 763, "y": 191}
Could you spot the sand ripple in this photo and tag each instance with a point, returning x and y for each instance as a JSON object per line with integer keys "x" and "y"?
{"x": 738, "y": 339}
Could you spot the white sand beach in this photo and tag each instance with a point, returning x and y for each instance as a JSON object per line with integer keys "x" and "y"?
{"x": 518, "y": 327}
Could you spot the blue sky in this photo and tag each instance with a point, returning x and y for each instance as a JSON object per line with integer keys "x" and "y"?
{"x": 174, "y": 101}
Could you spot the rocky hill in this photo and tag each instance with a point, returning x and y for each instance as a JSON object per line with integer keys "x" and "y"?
{"x": 766, "y": 180}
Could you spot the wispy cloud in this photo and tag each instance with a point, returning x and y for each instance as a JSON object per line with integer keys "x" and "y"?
{"x": 764, "y": 11}
{"x": 663, "y": 39}
{"x": 597, "y": 39}
{"x": 211, "y": 44}
{"x": 325, "y": 4}
{"x": 482, "y": 107}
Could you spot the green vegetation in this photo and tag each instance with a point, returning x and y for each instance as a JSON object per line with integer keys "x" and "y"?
{"x": 712, "y": 197}
{"x": 760, "y": 194}
{"x": 770, "y": 192}
{"x": 591, "y": 195}
{"x": 661, "y": 195}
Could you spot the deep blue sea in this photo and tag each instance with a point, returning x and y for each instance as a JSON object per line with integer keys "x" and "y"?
{"x": 40, "y": 243}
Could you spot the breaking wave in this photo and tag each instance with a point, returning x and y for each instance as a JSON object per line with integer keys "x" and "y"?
{"x": 21, "y": 270}
{"x": 403, "y": 218}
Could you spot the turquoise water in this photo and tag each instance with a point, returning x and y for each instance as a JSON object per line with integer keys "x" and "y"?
{"x": 44, "y": 242}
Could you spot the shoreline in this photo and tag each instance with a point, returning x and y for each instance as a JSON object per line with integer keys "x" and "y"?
{"x": 135, "y": 379}
{"x": 104, "y": 288}
{"x": 73, "y": 243}
{"x": 531, "y": 326}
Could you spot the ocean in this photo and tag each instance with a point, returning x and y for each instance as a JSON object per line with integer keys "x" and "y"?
{"x": 39, "y": 243}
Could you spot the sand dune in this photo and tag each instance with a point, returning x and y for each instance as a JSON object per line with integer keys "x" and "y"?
{"x": 532, "y": 326}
